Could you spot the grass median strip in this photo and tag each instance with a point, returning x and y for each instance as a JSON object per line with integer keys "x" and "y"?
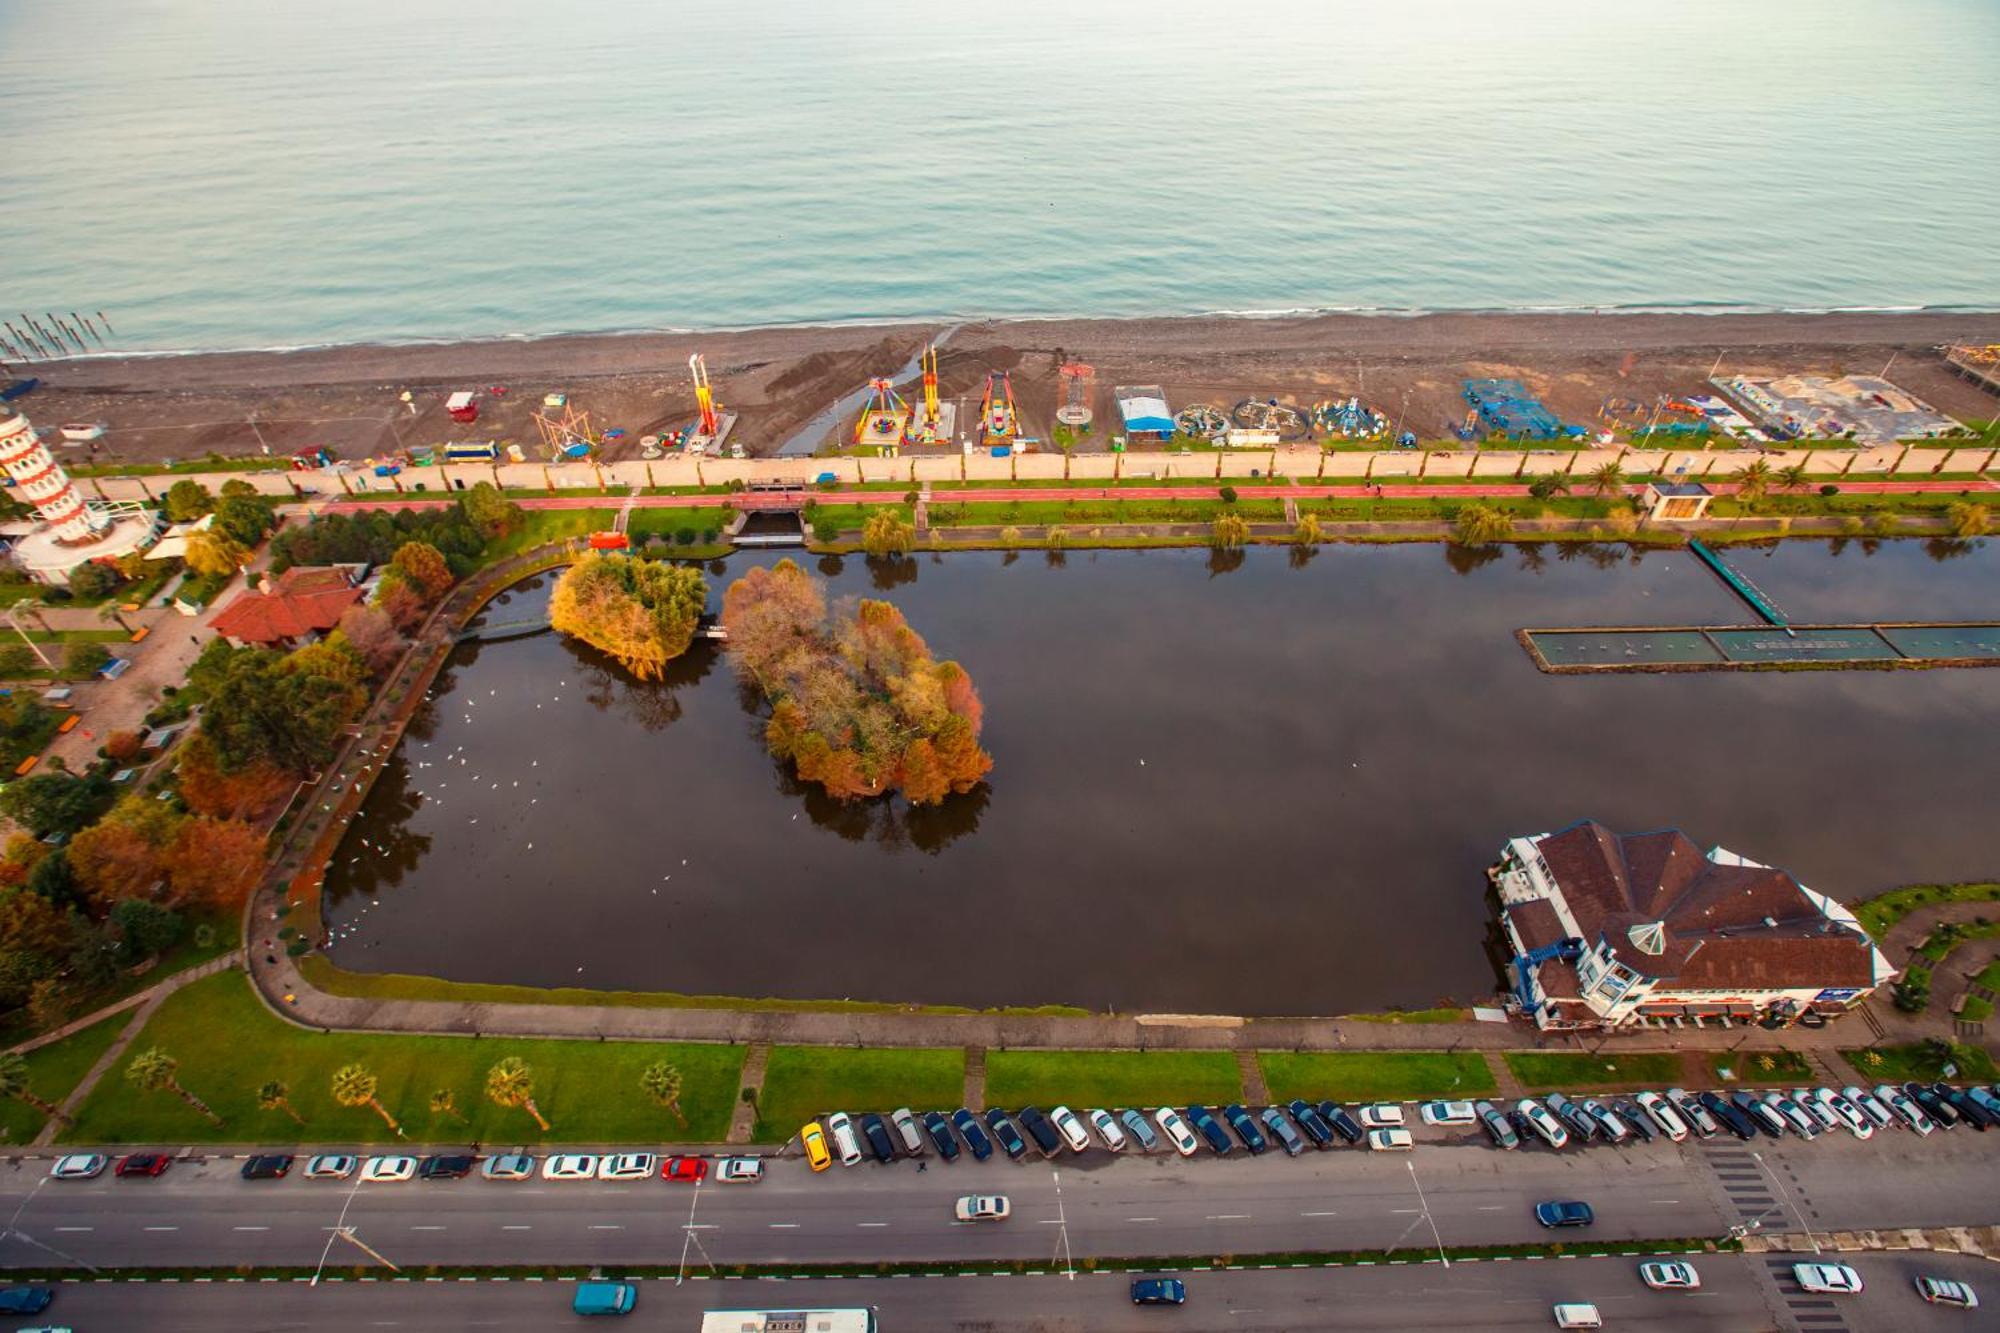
{"x": 1371, "y": 1075}
{"x": 803, "y": 1081}
{"x": 1542, "y": 1070}
{"x": 1922, "y": 1061}
{"x": 228, "y": 1046}
{"x": 1759, "y": 1068}
{"x": 1111, "y": 1078}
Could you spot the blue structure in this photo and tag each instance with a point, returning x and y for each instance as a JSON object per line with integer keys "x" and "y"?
{"x": 1562, "y": 951}
{"x": 1740, "y": 585}
{"x": 1505, "y": 407}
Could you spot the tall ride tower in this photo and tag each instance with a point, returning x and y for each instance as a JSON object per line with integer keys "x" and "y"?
{"x": 43, "y": 484}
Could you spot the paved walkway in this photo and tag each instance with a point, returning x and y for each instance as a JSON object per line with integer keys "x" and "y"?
{"x": 743, "y": 1117}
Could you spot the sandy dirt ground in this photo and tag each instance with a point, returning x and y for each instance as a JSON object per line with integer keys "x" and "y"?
{"x": 1410, "y": 368}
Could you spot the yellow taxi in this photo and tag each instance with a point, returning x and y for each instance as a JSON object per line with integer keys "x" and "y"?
{"x": 815, "y": 1142}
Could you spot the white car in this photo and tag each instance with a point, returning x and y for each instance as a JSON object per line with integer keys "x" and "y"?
{"x": 1899, "y": 1102}
{"x": 983, "y": 1208}
{"x": 1809, "y": 1101}
{"x": 388, "y": 1170}
{"x": 1845, "y": 1113}
{"x": 1072, "y": 1130}
{"x": 1448, "y": 1113}
{"x": 1869, "y": 1105}
{"x": 1107, "y": 1129}
{"x": 627, "y": 1166}
{"x": 1390, "y": 1140}
{"x": 1694, "y": 1113}
{"x": 1827, "y": 1279}
{"x": 1543, "y": 1122}
{"x": 1664, "y": 1115}
{"x": 570, "y": 1166}
{"x": 1669, "y": 1277}
{"x": 904, "y": 1122}
{"x": 740, "y": 1170}
{"x": 1381, "y": 1115}
{"x": 330, "y": 1166}
{"x": 78, "y": 1166}
{"x": 1177, "y": 1131}
{"x": 845, "y": 1146}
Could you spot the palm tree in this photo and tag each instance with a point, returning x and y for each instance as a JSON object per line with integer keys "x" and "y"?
{"x": 662, "y": 1082}
{"x": 155, "y": 1071}
{"x": 1753, "y": 481}
{"x": 1481, "y": 525}
{"x": 1792, "y": 477}
{"x": 1607, "y": 479}
{"x": 275, "y": 1096}
{"x": 354, "y": 1085}
{"x": 1549, "y": 485}
{"x": 444, "y": 1102}
{"x": 14, "y": 1084}
{"x": 511, "y": 1083}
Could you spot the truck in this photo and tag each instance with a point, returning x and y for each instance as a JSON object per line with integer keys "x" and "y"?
{"x": 789, "y": 1321}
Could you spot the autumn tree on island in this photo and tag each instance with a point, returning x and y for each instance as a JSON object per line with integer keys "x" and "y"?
{"x": 641, "y": 612}
{"x": 858, "y": 703}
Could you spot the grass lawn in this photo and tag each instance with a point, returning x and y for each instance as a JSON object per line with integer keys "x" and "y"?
{"x": 228, "y": 1044}
{"x": 1884, "y": 910}
{"x": 1919, "y": 1060}
{"x": 646, "y": 523}
{"x": 542, "y": 526}
{"x": 1375, "y": 1074}
{"x": 1111, "y": 1078}
{"x": 1750, "y": 1067}
{"x": 804, "y": 1081}
{"x": 222, "y": 937}
{"x": 1989, "y": 976}
{"x": 1565, "y": 1069}
{"x": 52, "y": 1072}
{"x": 1410, "y": 1016}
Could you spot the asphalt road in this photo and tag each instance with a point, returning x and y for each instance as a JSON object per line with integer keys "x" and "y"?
{"x": 1737, "y": 1293}
{"x": 1456, "y": 1193}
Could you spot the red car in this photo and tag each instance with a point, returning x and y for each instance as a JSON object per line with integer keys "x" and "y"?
{"x": 693, "y": 1169}
{"x": 143, "y": 1164}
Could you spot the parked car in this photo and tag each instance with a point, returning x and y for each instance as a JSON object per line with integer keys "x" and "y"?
{"x": 1071, "y": 1128}
{"x": 447, "y": 1166}
{"x": 1608, "y": 1122}
{"x": 1808, "y": 1101}
{"x": 1544, "y": 1122}
{"x": 1390, "y": 1140}
{"x": 983, "y": 1208}
{"x": 628, "y": 1166}
{"x": 739, "y": 1170}
{"x": 1986, "y": 1100}
{"x": 1453, "y": 1114}
{"x": 390, "y": 1169}
{"x": 267, "y": 1166}
{"x": 506, "y": 1166}
{"x": 1340, "y": 1122}
{"x": 1870, "y": 1105}
{"x": 846, "y": 1146}
{"x": 1700, "y": 1119}
{"x": 1768, "y": 1121}
{"x": 147, "y": 1164}
{"x": 1245, "y": 1127}
{"x": 975, "y": 1138}
{"x": 1969, "y": 1110}
{"x": 908, "y": 1131}
{"x": 876, "y": 1132}
{"x": 1311, "y": 1124}
{"x": 1281, "y": 1131}
{"x": 1794, "y": 1115}
{"x": 1140, "y": 1129}
{"x": 79, "y": 1166}
{"x": 1732, "y": 1118}
{"x": 1827, "y": 1279}
{"x": 1564, "y": 1213}
{"x": 939, "y": 1129}
{"x": 1040, "y": 1130}
{"x": 1159, "y": 1291}
{"x": 813, "y": 1139}
{"x": 1381, "y": 1115}
{"x": 1669, "y": 1276}
{"x": 1581, "y": 1123}
{"x": 1664, "y": 1115}
{"x": 684, "y": 1170}
{"x": 1635, "y": 1119}
{"x": 1497, "y": 1128}
{"x": 1945, "y": 1291}
{"x": 569, "y": 1166}
{"x": 1176, "y": 1129}
{"x": 1206, "y": 1125}
{"x": 332, "y": 1166}
{"x": 1107, "y": 1130}
{"x": 1942, "y": 1113}
{"x": 1004, "y": 1133}
{"x": 1845, "y": 1113}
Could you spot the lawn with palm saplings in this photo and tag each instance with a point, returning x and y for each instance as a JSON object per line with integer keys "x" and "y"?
{"x": 267, "y": 1081}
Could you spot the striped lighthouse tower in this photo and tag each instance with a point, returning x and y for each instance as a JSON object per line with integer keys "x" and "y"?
{"x": 40, "y": 481}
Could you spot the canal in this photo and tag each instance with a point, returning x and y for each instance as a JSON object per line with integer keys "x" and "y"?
{"x": 1249, "y": 784}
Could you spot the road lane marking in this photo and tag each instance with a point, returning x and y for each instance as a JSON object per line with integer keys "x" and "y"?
{"x": 871, "y": 1224}
{"x": 1228, "y": 1217}
{"x": 76, "y": 1228}
{"x": 249, "y": 1228}
{"x": 1406, "y": 1210}
{"x": 1142, "y": 1219}
{"x": 427, "y": 1228}
{"x": 163, "y": 1228}
{"x": 516, "y": 1226}
{"x": 1319, "y": 1214}
{"x": 606, "y": 1226}
{"x": 782, "y": 1226}
{"x": 1491, "y": 1207}
{"x": 1663, "y": 1201}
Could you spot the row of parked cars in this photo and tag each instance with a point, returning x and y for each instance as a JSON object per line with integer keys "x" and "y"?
{"x": 390, "y": 1168}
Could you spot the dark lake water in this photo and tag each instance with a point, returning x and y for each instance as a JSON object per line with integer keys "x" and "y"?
{"x": 1262, "y": 789}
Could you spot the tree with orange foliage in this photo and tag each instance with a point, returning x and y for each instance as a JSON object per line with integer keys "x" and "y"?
{"x": 374, "y": 638}
{"x": 423, "y": 567}
{"x": 403, "y": 604}
{"x": 215, "y": 861}
{"x": 250, "y": 794}
{"x": 123, "y": 854}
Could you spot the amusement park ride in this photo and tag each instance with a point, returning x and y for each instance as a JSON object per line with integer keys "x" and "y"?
{"x": 1079, "y": 383}
{"x": 885, "y": 417}
{"x": 710, "y": 429}
{"x": 999, "y": 423}
{"x": 935, "y": 421}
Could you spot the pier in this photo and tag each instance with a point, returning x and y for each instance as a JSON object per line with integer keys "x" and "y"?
{"x": 1594, "y": 651}
{"x": 1738, "y": 584}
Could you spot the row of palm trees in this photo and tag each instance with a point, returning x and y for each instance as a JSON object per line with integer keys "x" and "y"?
{"x": 1753, "y": 481}
{"x": 510, "y": 1083}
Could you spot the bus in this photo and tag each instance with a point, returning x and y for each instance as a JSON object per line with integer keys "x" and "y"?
{"x": 789, "y": 1321}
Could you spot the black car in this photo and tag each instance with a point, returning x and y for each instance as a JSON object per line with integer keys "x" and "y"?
{"x": 267, "y": 1166}
{"x": 1564, "y": 1213}
{"x": 1936, "y": 1107}
{"x": 1970, "y": 1111}
{"x": 1314, "y": 1128}
{"x": 876, "y": 1131}
{"x": 455, "y": 1167}
{"x": 1768, "y": 1122}
{"x": 1245, "y": 1127}
{"x": 1341, "y": 1122}
{"x": 975, "y": 1138}
{"x": 941, "y": 1139}
{"x": 1040, "y": 1130}
{"x": 1733, "y": 1120}
{"x": 1524, "y": 1128}
{"x": 1642, "y": 1124}
{"x": 1205, "y": 1124}
{"x": 1003, "y": 1130}
{"x": 26, "y": 1300}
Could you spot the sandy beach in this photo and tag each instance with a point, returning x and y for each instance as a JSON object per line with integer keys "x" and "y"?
{"x": 776, "y": 379}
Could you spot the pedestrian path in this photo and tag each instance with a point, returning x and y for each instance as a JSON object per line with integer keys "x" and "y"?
{"x": 975, "y": 1078}
{"x": 743, "y": 1117}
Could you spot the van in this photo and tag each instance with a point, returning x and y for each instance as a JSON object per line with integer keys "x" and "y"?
{"x": 605, "y": 1298}
{"x": 1453, "y": 1114}
{"x": 1578, "y": 1314}
{"x": 845, "y": 1145}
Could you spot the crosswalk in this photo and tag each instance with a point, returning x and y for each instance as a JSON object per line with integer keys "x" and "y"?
{"x": 1754, "y": 1197}
{"x": 1810, "y": 1313}
{"x": 1745, "y": 1183}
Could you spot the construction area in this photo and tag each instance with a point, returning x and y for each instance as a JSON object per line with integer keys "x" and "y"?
{"x": 1863, "y": 409}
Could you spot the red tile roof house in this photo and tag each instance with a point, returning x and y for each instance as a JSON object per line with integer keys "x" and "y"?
{"x": 303, "y": 605}
{"x": 1614, "y": 929}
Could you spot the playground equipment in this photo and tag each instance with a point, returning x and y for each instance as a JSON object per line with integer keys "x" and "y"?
{"x": 1268, "y": 414}
{"x": 567, "y": 436}
{"x": 1348, "y": 418}
{"x": 999, "y": 423}
{"x": 1507, "y": 408}
{"x": 1079, "y": 385}
{"x": 1203, "y": 419}
{"x": 885, "y": 417}
{"x": 935, "y": 421}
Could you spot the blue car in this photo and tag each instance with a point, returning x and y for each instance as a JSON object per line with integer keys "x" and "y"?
{"x": 1564, "y": 1213}
{"x": 1246, "y": 1128}
{"x": 1205, "y": 1124}
{"x": 1159, "y": 1291}
{"x": 975, "y": 1138}
{"x": 1309, "y": 1120}
{"x": 1003, "y": 1130}
{"x": 26, "y": 1300}
{"x": 941, "y": 1139}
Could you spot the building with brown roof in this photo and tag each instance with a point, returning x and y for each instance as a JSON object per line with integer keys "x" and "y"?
{"x": 1614, "y": 928}
{"x": 303, "y": 604}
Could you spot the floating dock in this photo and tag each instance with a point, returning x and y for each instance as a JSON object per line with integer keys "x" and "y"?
{"x": 1594, "y": 651}
{"x": 1738, "y": 583}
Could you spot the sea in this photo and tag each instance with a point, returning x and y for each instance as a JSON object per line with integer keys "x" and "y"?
{"x": 256, "y": 173}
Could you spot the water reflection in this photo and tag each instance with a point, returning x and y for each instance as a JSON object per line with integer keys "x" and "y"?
{"x": 891, "y": 825}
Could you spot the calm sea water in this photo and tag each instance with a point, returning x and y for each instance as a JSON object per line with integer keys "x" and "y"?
{"x": 244, "y": 173}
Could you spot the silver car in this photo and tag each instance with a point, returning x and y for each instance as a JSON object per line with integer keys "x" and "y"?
{"x": 508, "y": 1166}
